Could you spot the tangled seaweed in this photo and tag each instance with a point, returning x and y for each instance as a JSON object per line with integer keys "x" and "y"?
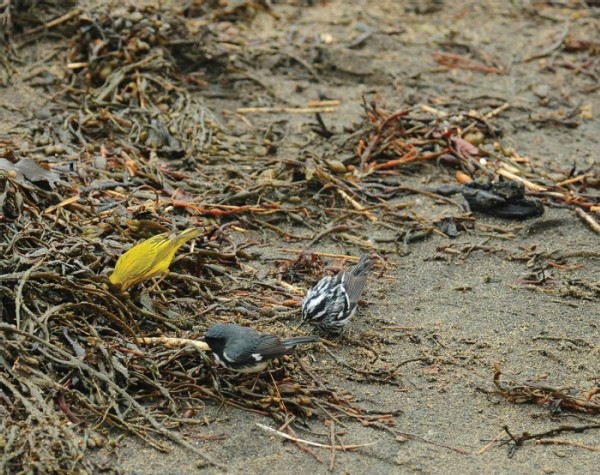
{"x": 126, "y": 151}
{"x": 558, "y": 399}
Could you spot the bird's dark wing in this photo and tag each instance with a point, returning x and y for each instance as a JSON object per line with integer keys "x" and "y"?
{"x": 270, "y": 347}
{"x": 262, "y": 347}
{"x": 291, "y": 343}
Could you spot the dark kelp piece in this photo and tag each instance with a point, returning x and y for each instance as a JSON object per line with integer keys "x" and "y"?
{"x": 504, "y": 199}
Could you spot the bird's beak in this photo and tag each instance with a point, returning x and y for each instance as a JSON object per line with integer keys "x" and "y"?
{"x": 301, "y": 324}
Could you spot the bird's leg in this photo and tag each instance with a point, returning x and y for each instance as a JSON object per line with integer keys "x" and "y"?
{"x": 256, "y": 381}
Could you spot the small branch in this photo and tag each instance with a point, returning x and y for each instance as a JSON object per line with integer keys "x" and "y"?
{"x": 55, "y": 22}
{"x": 287, "y": 110}
{"x": 308, "y": 442}
{"x": 588, "y": 219}
{"x": 490, "y": 443}
{"x": 568, "y": 442}
{"x": 545, "y": 436}
{"x": 511, "y": 176}
{"x": 172, "y": 342}
{"x": 356, "y": 205}
{"x": 332, "y": 439}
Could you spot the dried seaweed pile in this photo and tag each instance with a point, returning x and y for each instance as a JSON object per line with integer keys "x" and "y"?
{"x": 126, "y": 150}
{"x": 465, "y": 141}
{"x": 557, "y": 399}
{"x": 560, "y": 399}
{"x": 117, "y": 158}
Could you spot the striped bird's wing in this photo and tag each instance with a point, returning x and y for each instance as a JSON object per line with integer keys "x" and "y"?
{"x": 328, "y": 297}
{"x": 354, "y": 285}
{"x": 355, "y": 280}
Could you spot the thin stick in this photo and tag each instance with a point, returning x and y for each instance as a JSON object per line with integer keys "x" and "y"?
{"x": 322, "y": 254}
{"x": 529, "y": 184}
{"x": 332, "y": 439}
{"x": 497, "y": 110}
{"x": 287, "y": 422}
{"x": 568, "y": 442}
{"x": 458, "y": 450}
{"x": 172, "y": 342}
{"x": 287, "y": 110}
{"x": 329, "y": 103}
{"x": 55, "y": 22}
{"x": 588, "y": 219}
{"x": 66, "y": 202}
{"x": 309, "y": 442}
{"x": 575, "y": 179}
{"x": 304, "y": 448}
{"x": 329, "y": 230}
{"x": 490, "y": 443}
{"x": 314, "y": 377}
{"x": 357, "y": 206}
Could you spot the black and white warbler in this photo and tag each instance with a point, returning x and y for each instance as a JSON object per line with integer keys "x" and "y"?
{"x": 246, "y": 350}
{"x": 330, "y": 304}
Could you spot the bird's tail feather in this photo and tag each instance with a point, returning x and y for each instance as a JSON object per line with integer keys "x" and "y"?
{"x": 299, "y": 340}
{"x": 363, "y": 266}
{"x": 186, "y": 235}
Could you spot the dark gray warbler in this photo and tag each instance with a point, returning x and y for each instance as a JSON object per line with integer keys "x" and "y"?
{"x": 246, "y": 350}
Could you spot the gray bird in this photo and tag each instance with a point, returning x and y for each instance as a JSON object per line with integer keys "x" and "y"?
{"x": 246, "y": 350}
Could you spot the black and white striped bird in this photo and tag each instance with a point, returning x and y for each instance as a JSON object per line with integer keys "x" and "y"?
{"x": 330, "y": 304}
{"x": 246, "y": 350}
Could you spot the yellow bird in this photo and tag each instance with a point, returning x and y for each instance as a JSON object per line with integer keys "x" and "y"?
{"x": 149, "y": 258}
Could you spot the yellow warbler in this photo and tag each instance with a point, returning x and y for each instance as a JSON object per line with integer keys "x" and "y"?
{"x": 149, "y": 258}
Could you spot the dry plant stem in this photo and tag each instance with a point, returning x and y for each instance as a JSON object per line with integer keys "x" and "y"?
{"x": 333, "y": 448}
{"x": 408, "y": 435}
{"x": 345, "y": 365}
{"x": 287, "y": 110}
{"x": 326, "y": 103}
{"x": 511, "y": 176}
{"x": 575, "y": 179}
{"x": 568, "y": 442}
{"x": 314, "y": 444}
{"x": 493, "y": 113}
{"x": 357, "y": 206}
{"x": 519, "y": 441}
{"x": 299, "y": 443}
{"x": 325, "y": 232}
{"x": 522, "y": 392}
{"x": 588, "y": 219}
{"x": 322, "y": 254}
{"x": 490, "y": 443}
{"x": 169, "y": 342}
{"x": 455, "y": 61}
{"x": 55, "y": 22}
{"x": 317, "y": 381}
